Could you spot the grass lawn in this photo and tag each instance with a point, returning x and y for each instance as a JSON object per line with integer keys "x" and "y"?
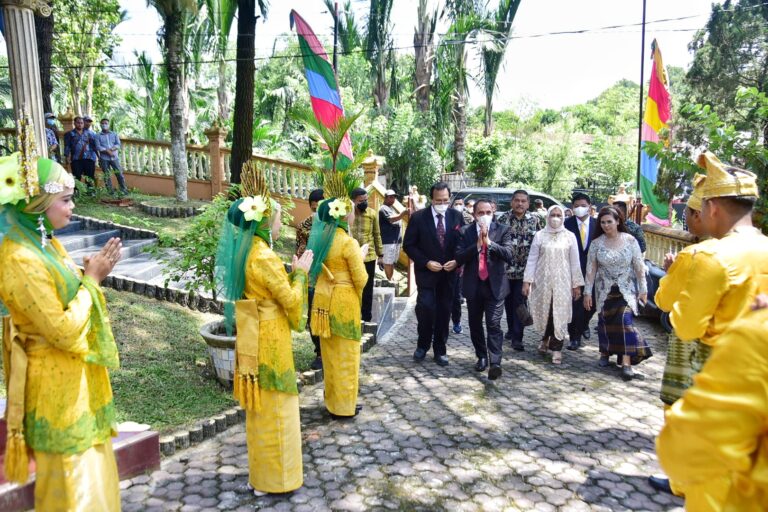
{"x": 164, "y": 378}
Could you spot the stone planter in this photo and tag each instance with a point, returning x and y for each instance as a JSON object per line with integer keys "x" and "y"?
{"x": 221, "y": 351}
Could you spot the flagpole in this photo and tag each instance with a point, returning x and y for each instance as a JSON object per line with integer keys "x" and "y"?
{"x": 639, "y": 203}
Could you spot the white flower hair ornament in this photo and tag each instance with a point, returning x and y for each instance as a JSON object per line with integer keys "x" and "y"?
{"x": 255, "y": 208}
{"x": 337, "y": 209}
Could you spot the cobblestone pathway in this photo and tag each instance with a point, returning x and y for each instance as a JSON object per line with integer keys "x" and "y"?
{"x": 574, "y": 437}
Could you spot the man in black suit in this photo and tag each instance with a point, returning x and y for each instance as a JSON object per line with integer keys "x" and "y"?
{"x": 485, "y": 249}
{"x": 430, "y": 241}
{"x": 583, "y": 226}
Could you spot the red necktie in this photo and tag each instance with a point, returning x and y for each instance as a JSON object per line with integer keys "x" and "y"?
{"x": 482, "y": 267}
{"x": 440, "y": 231}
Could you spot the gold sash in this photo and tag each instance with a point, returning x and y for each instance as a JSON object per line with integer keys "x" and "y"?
{"x": 249, "y": 314}
{"x": 320, "y": 323}
{"x": 15, "y": 364}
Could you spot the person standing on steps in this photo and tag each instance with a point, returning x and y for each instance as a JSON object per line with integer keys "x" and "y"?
{"x": 485, "y": 248}
{"x": 523, "y": 225}
{"x": 365, "y": 229}
{"x": 583, "y": 226}
{"x": 302, "y": 236}
{"x": 390, "y": 227}
{"x": 430, "y": 241}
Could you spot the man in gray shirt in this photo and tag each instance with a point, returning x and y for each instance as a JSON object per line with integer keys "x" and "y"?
{"x": 108, "y": 144}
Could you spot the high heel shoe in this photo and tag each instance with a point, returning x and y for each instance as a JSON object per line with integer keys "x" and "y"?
{"x": 557, "y": 357}
{"x": 543, "y": 345}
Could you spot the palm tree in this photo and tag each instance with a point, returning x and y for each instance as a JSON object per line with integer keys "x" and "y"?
{"x": 175, "y": 15}
{"x": 242, "y": 141}
{"x": 349, "y": 31}
{"x": 379, "y": 50}
{"x": 221, "y": 14}
{"x": 424, "y": 47}
{"x": 500, "y": 31}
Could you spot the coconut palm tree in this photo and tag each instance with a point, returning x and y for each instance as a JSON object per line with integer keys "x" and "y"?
{"x": 242, "y": 141}
{"x": 175, "y": 14}
{"x": 221, "y": 14}
{"x": 379, "y": 52}
{"x": 349, "y": 31}
{"x": 424, "y": 47}
{"x": 500, "y": 30}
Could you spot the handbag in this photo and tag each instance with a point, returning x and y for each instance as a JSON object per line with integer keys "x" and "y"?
{"x": 524, "y": 314}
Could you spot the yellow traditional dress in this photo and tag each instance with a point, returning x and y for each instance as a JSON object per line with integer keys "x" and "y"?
{"x": 714, "y": 444}
{"x": 57, "y": 381}
{"x": 275, "y": 302}
{"x": 724, "y": 278}
{"x": 336, "y": 319}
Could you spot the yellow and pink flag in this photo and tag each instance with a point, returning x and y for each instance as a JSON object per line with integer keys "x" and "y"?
{"x": 657, "y": 114}
{"x": 323, "y": 88}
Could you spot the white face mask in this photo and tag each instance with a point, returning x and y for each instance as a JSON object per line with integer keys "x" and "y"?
{"x": 485, "y": 220}
{"x": 458, "y": 208}
{"x": 581, "y": 211}
{"x": 440, "y": 208}
{"x": 555, "y": 222}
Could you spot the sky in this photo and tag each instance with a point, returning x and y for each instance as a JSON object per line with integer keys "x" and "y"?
{"x": 551, "y": 71}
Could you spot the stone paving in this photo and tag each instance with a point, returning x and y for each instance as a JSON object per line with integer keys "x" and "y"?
{"x": 574, "y": 437}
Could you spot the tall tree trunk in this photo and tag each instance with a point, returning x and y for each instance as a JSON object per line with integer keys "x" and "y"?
{"x": 460, "y": 133}
{"x": 89, "y": 92}
{"x": 423, "y": 42}
{"x": 242, "y": 136}
{"x": 223, "y": 93}
{"x": 174, "y": 41}
{"x": 381, "y": 89}
{"x": 488, "y": 128}
{"x": 44, "y": 36}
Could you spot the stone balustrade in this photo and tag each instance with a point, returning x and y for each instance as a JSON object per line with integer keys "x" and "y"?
{"x": 660, "y": 241}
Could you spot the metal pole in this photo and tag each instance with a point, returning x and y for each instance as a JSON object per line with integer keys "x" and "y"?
{"x": 335, "y": 35}
{"x": 639, "y": 204}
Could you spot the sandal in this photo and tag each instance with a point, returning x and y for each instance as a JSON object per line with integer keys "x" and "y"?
{"x": 557, "y": 357}
{"x": 543, "y": 345}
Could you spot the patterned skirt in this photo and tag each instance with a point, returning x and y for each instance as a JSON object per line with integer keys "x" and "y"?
{"x": 684, "y": 360}
{"x": 616, "y": 332}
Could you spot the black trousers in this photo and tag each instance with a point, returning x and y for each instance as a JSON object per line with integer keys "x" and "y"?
{"x": 433, "y": 307}
{"x": 365, "y": 311}
{"x": 484, "y": 304}
{"x": 315, "y": 339}
{"x": 580, "y": 318}
{"x": 456, "y": 305}
{"x": 85, "y": 167}
{"x": 514, "y": 326}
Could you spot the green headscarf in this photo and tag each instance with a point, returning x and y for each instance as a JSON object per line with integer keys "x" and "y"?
{"x": 321, "y": 237}
{"x": 232, "y": 254}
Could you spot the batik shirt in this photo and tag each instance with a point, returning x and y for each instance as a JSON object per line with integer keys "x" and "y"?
{"x": 81, "y": 146}
{"x": 523, "y": 231}
{"x": 302, "y": 235}
{"x": 636, "y": 231}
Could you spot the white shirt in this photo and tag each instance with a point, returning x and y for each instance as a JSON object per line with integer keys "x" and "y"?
{"x": 435, "y": 214}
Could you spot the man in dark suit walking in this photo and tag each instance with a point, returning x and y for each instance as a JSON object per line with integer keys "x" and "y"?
{"x": 430, "y": 241}
{"x": 583, "y": 226}
{"x": 485, "y": 249}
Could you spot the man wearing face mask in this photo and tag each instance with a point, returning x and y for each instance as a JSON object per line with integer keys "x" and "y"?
{"x": 108, "y": 144}
{"x": 583, "y": 226}
{"x": 430, "y": 241}
{"x": 365, "y": 229}
{"x": 485, "y": 248}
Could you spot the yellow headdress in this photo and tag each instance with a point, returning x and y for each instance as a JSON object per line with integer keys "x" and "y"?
{"x": 336, "y": 188}
{"x": 257, "y": 202}
{"x": 694, "y": 201}
{"x": 726, "y": 181}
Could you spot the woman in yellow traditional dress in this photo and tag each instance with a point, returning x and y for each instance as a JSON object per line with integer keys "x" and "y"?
{"x": 57, "y": 345}
{"x": 339, "y": 276}
{"x": 269, "y": 303}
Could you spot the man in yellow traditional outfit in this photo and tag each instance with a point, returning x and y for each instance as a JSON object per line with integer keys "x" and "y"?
{"x": 339, "y": 277}
{"x": 729, "y": 270}
{"x": 268, "y": 303}
{"x": 714, "y": 444}
{"x": 57, "y": 344}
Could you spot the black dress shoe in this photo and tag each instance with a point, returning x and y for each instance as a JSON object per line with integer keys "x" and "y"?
{"x": 661, "y": 484}
{"x": 586, "y": 334}
{"x": 358, "y": 408}
{"x": 420, "y": 354}
{"x": 573, "y": 345}
{"x": 481, "y": 365}
{"x": 441, "y": 360}
{"x": 627, "y": 373}
{"x": 495, "y": 372}
{"x": 518, "y": 347}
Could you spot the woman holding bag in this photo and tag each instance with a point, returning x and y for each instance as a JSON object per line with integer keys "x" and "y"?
{"x": 552, "y": 281}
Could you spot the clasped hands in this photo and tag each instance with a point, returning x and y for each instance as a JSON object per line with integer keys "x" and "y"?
{"x": 448, "y": 266}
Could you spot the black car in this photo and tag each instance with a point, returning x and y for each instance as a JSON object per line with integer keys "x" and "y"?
{"x": 503, "y": 197}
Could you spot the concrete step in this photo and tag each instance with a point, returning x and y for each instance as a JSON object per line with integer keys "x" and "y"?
{"x": 142, "y": 267}
{"x": 74, "y": 225}
{"x": 77, "y": 240}
{"x": 130, "y": 249}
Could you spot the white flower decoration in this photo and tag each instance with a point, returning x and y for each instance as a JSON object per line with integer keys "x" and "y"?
{"x": 253, "y": 208}
{"x": 53, "y": 187}
{"x": 337, "y": 209}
